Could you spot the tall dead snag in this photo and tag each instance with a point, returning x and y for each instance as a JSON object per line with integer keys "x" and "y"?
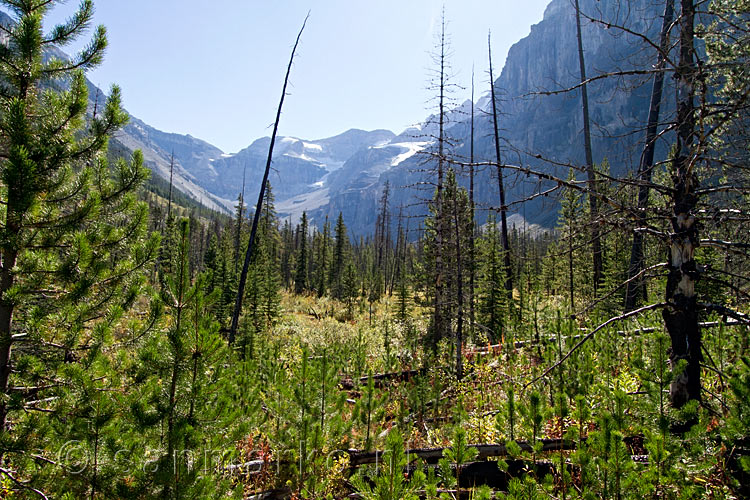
{"x": 259, "y": 205}
{"x": 171, "y": 171}
{"x": 503, "y": 209}
{"x": 681, "y": 313}
{"x": 238, "y": 229}
{"x": 459, "y": 289}
{"x": 382, "y": 238}
{"x": 596, "y": 243}
{"x": 439, "y": 320}
{"x": 635, "y": 288}
{"x": 472, "y": 246}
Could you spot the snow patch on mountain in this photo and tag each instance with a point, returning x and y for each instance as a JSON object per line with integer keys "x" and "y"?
{"x": 314, "y": 147}
{"x": 303, "y": 156}
{"x": 412, "y": 148}
{"x": 292, "y": 208}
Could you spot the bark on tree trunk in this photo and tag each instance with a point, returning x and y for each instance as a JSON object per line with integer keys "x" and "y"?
{"x": 501, "y": 186}
{"x": 439, "y": 314}
{"x": 6, "y": 332}
{"x": 259, "y": 205}
{"x": 590, "y": 174}
{"x": 681, "y": 315}
{"x": 635, "y": 288}
{"x": 472, "y": 246}
{"x": 459, "y": 294}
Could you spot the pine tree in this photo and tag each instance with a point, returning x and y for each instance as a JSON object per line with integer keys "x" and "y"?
{"x": 262, "y": 290}
{"x": 570, "y": 207}
{"x": 323, "y": 259}
{"x": 492, "y": 295}
{"x": 287, "y": 253}
{"x": 73, "y": 238}
{"x": 340, "y": 259}
{"x": 403, "y": 298}
{"x": 176, "y": 373}
{"x": 177, "y": 297}
{"x": 238, "y": 227}
{"x": 270, "y": 241}
{"x": 166, "y": 256}
{"x": 227, "y": 280}
{"x": 211, "y": 263}
{"x": 382, "y": 240}
{"x": 300, "y": 275}
{"x": 460, "y": 226}
{"x": 349, "y": 289}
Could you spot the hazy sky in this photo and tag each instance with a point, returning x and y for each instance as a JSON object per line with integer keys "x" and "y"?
{"x": 214, "y": 69}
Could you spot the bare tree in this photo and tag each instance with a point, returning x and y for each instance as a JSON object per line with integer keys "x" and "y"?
{"x": 501, "y": 186}
{"x": 635, "y": 284}
{"x": 596, "y": 244}
{"x": 259, "y": 205}
{"x": 472, "y": 243}
{"x": 698, "y": 202}
{"x": 681, "y": 311}
{"x": 440, "y": 322}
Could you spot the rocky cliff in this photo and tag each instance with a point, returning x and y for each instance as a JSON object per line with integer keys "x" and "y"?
{"x": 347, "y": 172}
{"x": 534, "y": 126}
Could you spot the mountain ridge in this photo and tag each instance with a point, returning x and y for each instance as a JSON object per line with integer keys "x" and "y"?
{"x": 347, "y": 172}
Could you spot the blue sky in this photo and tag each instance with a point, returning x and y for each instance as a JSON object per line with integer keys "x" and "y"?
{"x": 214, "y": 69}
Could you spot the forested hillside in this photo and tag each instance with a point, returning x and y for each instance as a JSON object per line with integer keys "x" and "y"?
{"x": 151, "y": 347}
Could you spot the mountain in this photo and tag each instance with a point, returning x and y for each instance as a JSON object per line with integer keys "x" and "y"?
{"x": 347, "y": 172}
{"x": 299, "y": 166}
{"x": 158, "y": 148}
{"x": 540, "y": 131}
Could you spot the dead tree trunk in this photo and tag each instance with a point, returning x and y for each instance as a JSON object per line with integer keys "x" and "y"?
{"x": 503, "y": 209}
{"x": 439, "y": 319}
{"x": 238, "y": 232}
{"x": 596, "y": 244}
{"x": 171, "y": 171}
{"x": 681, "y": 315}
{"x": 472, "y": 247}
{"x": 256, "y": 217}
{"x": 635, "y": 289}
{"x": 459, "y": 294}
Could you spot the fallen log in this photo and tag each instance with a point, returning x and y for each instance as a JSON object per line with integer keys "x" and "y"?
{"x": 496, "y": 349}
{"x": 464, "y": 495}
{"x": 249, "y": 468}
{"x": 380, "y": 379}
{"x": 277, "y": 494}
{"x": 432, "y": 455}
{"x": 489, "y": 473}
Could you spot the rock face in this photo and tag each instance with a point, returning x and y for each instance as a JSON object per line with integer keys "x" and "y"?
{"x": 346, "y": 173}
{"x": 299, "y": 165}
{"x": 535, "y": 127}
{"x": 189, "y": 154}
{"x": 547, "y": 60}
{"x": 551, "y": 126}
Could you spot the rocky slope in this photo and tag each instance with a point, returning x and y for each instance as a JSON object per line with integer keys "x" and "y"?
{"x": 536, "y": 127}
{"x": 347, "y": 172}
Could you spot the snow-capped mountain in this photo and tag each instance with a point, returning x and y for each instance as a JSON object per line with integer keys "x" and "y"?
{"x": 346, "y": 173}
